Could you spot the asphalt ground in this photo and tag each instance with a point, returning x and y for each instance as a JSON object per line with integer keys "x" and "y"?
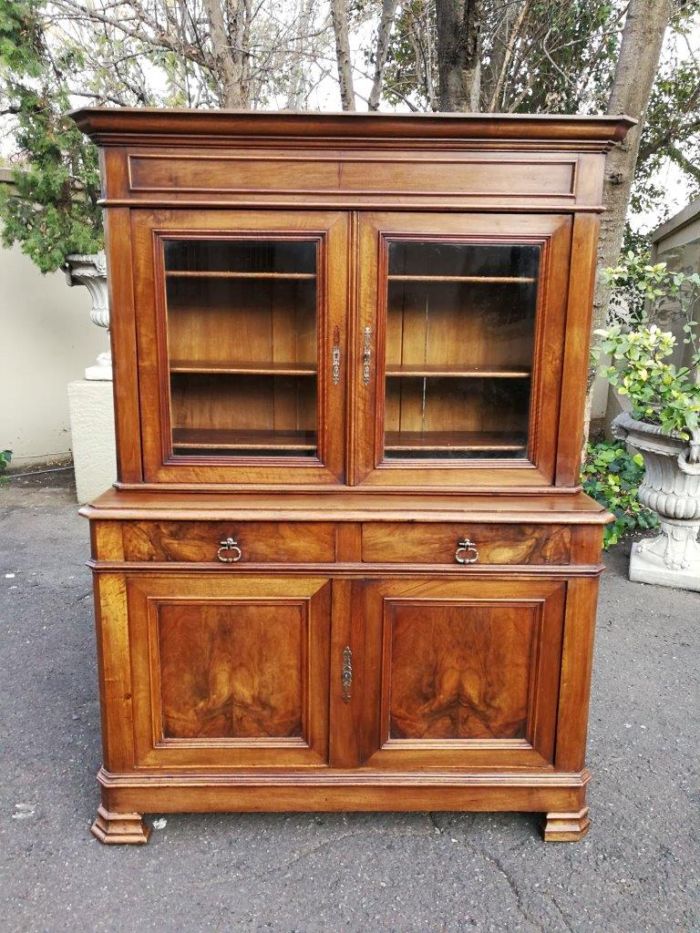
{"x": 637, "y": 870}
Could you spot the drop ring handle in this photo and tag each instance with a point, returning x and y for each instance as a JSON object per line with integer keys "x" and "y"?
{"x": 229, "y": 551}
{"x": 467, "y": 552}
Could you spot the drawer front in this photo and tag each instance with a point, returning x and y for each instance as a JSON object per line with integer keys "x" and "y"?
{"x": 230, "y": 542}
{"x": 394, "y": 542}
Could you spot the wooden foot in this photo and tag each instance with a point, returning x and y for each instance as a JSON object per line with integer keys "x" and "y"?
{"x": 120, "y": 828}
{"x": 566, "y": 827}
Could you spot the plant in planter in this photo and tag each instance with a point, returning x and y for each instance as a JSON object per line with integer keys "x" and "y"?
{"x": 50, "y": 209}
{"x": 663, "y": 424}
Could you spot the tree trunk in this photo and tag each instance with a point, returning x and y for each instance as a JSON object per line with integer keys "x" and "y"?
{"x": 637, "y": 65}
{"x": 459, "y": 53}
{"x": 299, "y": 63}
{"x": 382, "y": 51}
{"x": 227, "y": 60}
{"x": 339, "y": 16}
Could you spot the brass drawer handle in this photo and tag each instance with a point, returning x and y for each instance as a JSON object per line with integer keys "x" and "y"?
{"x": 467, "y": 552}
{"x": 229, "y": 552}
{"x": 346, "y": 674}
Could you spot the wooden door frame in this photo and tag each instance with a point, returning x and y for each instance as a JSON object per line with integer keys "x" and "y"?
{"x": 552, "y": 232}
{"x": 330, "y": 229}
{"x": 360, "y": 733}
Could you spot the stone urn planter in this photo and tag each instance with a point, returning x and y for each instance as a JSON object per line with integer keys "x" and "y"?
{"x": 671, "y": 487}
{"x": 91, "y": 271}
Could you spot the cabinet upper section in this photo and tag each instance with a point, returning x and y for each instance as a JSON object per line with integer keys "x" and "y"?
{"x": 378, "y": 301}
{"x": 352, "y": 160}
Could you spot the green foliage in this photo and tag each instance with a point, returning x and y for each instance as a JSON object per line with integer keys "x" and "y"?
{"x": 5, "y": 457}
{"x": 645, "y": 289}
{"x": 659, "y": 392}
{"x": 51, "y": 208}
{"x": 612, "y": 477}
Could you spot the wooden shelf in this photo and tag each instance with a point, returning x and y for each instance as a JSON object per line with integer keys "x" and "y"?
{"x": 456, "y": 371}
{"x": 226, "y": 274}
{"x": 249, "y": 369}
{"x": 483, "y": 279}
{"x": 224, "y": 439}
{"x": 453, "y": 440}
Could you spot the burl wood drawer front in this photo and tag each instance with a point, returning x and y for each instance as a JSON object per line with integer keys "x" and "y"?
{"x": 395, "y": 542}
{"x": 230, "y": 542}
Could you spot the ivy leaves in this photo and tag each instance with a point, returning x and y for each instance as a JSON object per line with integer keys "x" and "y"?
{"x": 612, "y": 476}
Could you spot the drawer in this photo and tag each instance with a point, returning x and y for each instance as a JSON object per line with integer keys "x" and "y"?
{"x": 278, "y": 542}
{"x": 428, "y": 543}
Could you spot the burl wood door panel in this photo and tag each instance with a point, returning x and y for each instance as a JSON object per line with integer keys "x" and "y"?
{"x": 460, "y": 673}
{"x": 229, "y": 672}
{"x": 443, "y": 543}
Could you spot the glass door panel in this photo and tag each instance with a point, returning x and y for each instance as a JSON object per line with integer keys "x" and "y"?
{"x": 242, "y": 347}
{"x": 460, "y": 330}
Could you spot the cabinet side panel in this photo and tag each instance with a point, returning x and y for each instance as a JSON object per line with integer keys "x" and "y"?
{"x": 114, "y": 670}
{"x": 576, "y": 667}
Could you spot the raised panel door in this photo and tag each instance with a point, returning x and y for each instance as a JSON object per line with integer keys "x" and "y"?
{"x": 229, "y": 672}
{"x": 457, "y": 673}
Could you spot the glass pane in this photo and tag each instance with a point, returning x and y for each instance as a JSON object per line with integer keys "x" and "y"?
{"x": 242, "y": 347}
{"x": 460, "y": 338}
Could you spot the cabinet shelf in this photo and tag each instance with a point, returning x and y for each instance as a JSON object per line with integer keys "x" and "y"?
{"x": 228, "y": 274}
{"x": 453, "y": 440}
{"x": 224, "y": 439}
{"x": 456, "y": 371}
{"x": 483, "y": 279}
{"x": 265, "y": 368}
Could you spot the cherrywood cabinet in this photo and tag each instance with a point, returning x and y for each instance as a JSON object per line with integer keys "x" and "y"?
{"x": 347, "y": 564}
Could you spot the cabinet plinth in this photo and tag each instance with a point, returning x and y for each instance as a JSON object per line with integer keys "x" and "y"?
{"x": 347, "y": 564}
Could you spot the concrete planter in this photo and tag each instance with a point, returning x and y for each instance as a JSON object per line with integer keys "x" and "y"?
{"x": 671, "y": 487}
{"x": 90, "y": 399}
{"x": 91, "y": 271}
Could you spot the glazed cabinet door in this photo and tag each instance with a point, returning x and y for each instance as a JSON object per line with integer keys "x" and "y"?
{"x": 455, "y": 673}
{"x": 241, "y": 321}
{"x": 229, "y": 672}
{"x": 459, "y": 348}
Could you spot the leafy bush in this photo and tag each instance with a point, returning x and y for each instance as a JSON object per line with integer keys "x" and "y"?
{"x": 659, "y": 392}
{"x": 612, "y": 477}
{"x": 5, "y": 457}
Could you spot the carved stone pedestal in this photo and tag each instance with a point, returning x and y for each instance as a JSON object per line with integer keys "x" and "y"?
{"x": 670, "y": 559}
{"x": 671, "y": 487}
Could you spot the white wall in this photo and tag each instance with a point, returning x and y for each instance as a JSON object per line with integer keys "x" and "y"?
{"x": 46, "y": 340}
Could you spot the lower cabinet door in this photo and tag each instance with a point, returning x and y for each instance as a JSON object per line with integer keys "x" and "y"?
{"x": 229, "y": 672}
{"x": 457, "y": 673}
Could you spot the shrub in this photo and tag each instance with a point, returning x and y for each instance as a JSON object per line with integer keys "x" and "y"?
{"x": 611, "y": 476}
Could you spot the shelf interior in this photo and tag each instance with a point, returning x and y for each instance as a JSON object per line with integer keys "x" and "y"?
{"x": 227, "y": 439}
{"x": 436, "y": 371}
{"x": 454, "y": 443}
{"x": 474, "y": 279}
{"x": 265, "y": 368}
{"x": 232, "y": 274}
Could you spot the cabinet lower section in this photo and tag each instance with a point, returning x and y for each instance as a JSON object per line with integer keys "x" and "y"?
{"x": 348, "y": 689}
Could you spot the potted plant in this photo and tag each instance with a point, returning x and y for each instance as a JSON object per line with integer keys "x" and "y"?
{"x": 662, "y": 423}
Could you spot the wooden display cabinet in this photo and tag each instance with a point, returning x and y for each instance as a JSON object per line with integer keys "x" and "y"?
{"x": 347, "y": 564}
